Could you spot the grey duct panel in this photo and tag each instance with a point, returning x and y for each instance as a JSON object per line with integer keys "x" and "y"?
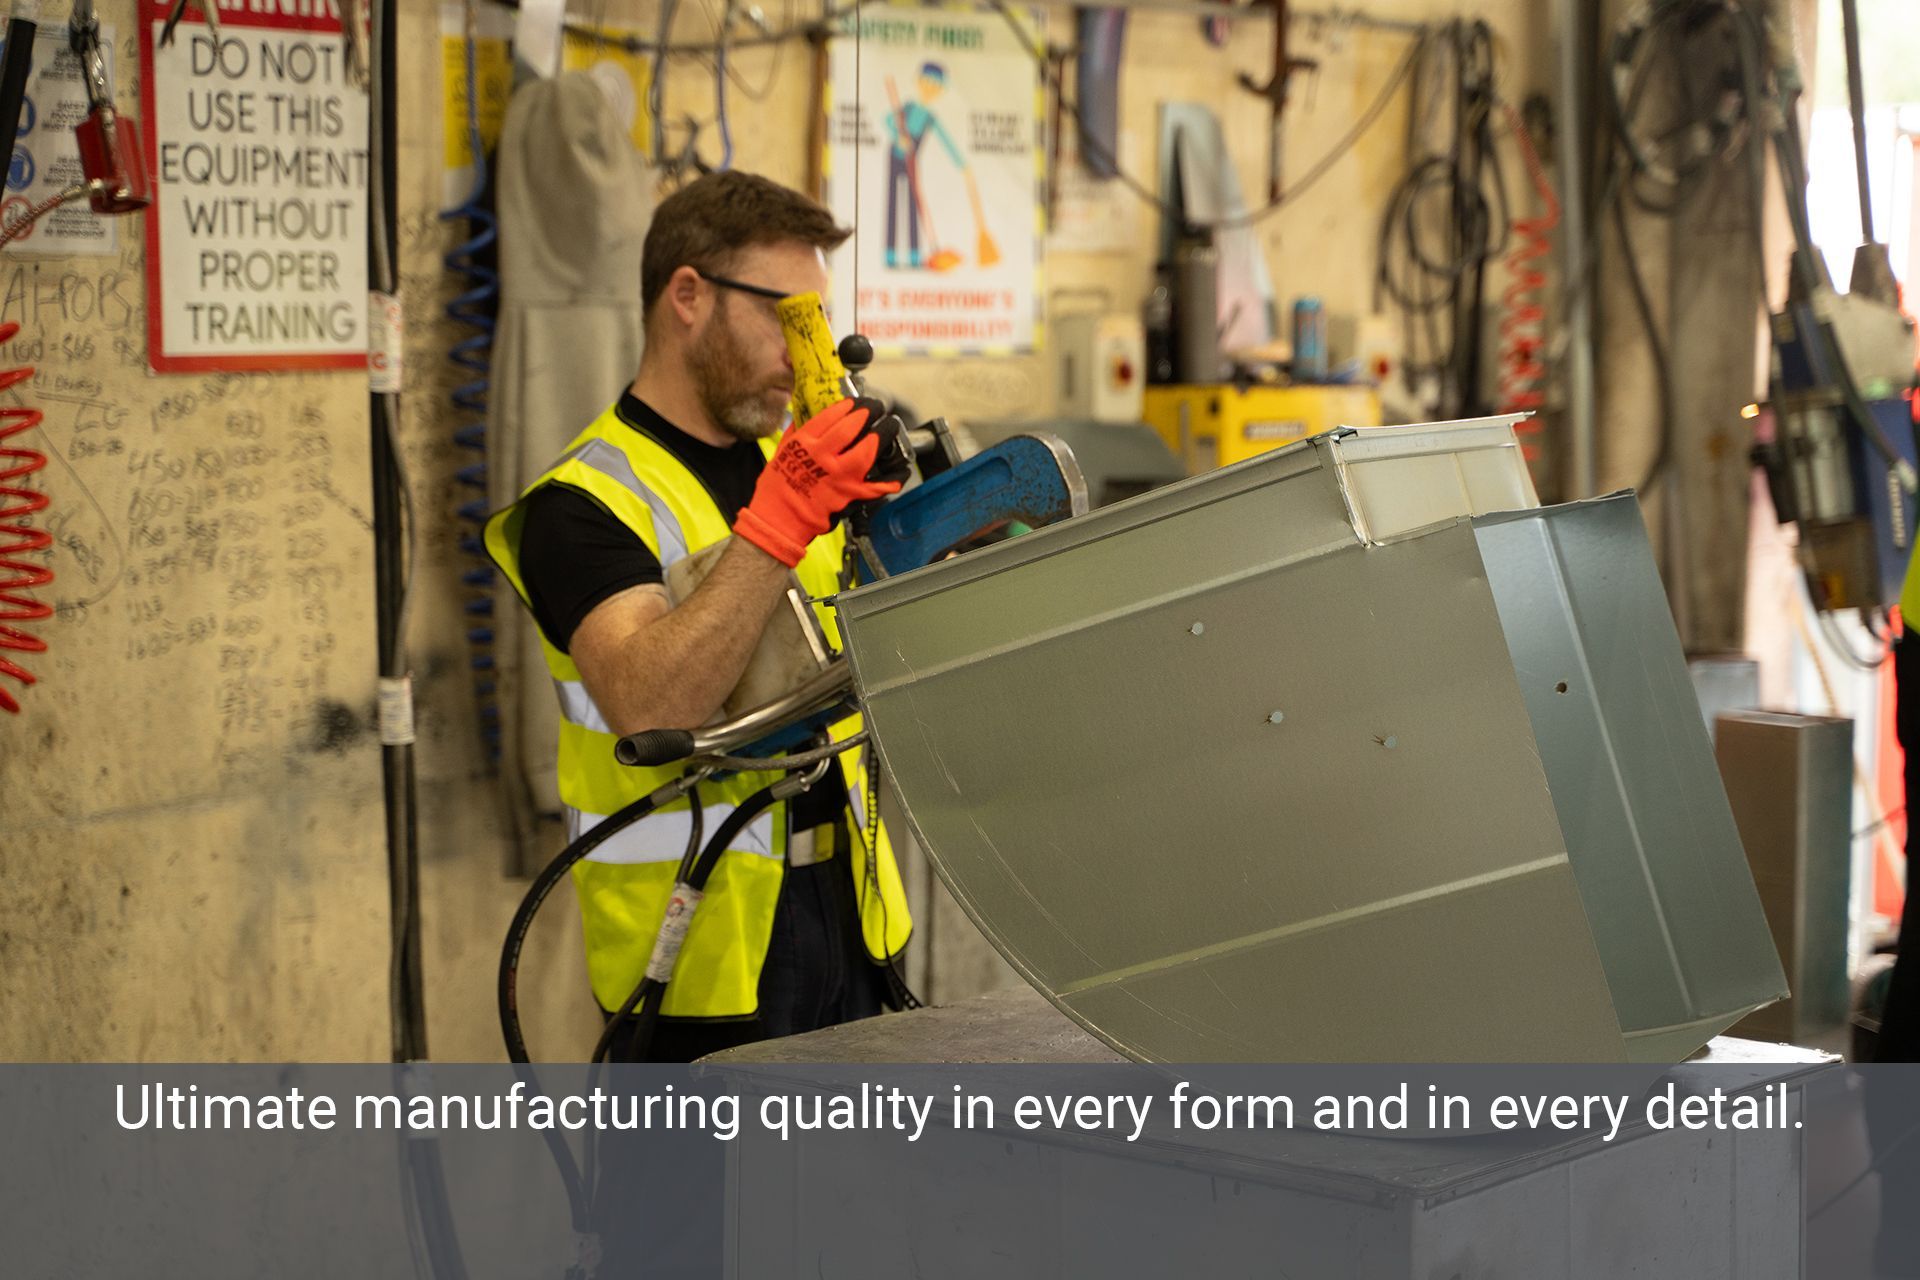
{"x": 1379, "y": 875}
{"x": 1632, "y": 773}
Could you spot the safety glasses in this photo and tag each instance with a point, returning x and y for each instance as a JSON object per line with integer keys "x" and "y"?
{"x": 758, "y": 291}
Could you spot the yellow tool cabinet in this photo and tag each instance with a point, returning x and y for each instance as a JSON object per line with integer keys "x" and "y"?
{"x": 1214, "y": 426}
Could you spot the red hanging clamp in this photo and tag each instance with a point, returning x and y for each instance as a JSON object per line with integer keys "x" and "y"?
{"x": 111, "y": 157}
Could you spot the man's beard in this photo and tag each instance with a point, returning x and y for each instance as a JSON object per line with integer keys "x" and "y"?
{"x": 718, "y": 365}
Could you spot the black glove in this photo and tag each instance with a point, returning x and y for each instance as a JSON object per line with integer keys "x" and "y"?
{"x": 891, "y": 465}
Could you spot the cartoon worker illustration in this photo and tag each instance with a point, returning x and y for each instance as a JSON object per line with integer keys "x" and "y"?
{"x": 907, "y": 127}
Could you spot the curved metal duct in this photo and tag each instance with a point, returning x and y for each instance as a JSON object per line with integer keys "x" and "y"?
{"x": 1328, "y": 756}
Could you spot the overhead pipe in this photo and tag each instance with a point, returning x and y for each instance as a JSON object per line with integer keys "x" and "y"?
{"x": 1582, "y": 453}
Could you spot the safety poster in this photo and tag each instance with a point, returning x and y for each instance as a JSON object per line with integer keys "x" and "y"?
{"x": 934, "y": 156}
{"x": 46, "y": 155}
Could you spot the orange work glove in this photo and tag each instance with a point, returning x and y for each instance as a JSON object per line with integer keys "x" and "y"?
{"x": 818, "y": 471}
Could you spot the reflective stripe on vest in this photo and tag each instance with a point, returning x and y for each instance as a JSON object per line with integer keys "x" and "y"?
{"x": 663, "y": 837}
{"x": 610, "y": 462}
{"x": 578, "y": 706}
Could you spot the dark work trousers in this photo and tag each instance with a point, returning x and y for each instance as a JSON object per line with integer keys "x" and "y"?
{"x": 1893, "y": 1112}
{"x": 660, "y": 1205}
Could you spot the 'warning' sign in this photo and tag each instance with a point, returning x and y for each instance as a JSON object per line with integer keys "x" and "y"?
{"x": 256, "y": 244}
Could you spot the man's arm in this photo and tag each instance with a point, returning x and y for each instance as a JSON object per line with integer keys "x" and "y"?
{"x": 650, "y": 666}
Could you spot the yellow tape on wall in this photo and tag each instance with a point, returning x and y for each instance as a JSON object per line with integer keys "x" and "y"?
{"x": 625, "y": 75}
{"x": 495, "y": 81}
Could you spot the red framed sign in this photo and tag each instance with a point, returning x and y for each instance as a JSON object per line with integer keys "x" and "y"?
{"x": 257, "y": 144}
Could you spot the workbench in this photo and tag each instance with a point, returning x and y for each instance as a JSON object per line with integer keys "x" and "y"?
{"x": 1295, "y": 1203}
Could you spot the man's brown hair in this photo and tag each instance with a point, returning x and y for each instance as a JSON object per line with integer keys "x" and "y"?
{"x": 706, "y": 223}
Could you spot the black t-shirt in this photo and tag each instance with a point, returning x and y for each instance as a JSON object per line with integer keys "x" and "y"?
{"x": 574, "y": 553}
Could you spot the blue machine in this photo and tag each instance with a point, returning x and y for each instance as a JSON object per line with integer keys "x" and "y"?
{"x": 1031, "y": 480}
{"x": 1839, "y": 466}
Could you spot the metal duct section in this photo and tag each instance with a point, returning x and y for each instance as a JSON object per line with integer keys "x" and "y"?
{"x": 1275, "y": 764}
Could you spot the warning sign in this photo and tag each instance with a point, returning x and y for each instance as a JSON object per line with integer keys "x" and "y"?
{"x": 257, "y": 144}
{"x": 12, "y": 210}
{"x": 46, "y": 155}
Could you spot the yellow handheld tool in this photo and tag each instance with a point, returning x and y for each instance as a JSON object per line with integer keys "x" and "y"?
{"x": 819, "y": 379}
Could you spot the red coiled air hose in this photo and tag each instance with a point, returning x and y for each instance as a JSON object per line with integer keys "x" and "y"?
{"x": 1523, "y": 366}
{"x": 17, "y": 538}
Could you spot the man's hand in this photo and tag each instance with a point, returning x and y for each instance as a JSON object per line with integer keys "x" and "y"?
{"x": 819, "y": 470}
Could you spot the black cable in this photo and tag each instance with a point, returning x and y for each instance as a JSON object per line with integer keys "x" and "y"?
{"x": 1446, "y": 219}
{"x": 1842, "y": 647}
{"x": 1637, "y": 166}
{"x": 1857, "y": 103}
{"x": 507, "y": 989}
{"x": 656, "y": 84}
{"x": 870, "y": 851}
{"x": 696, "y": 828}
{"x": 732, "y": 71}
{"x": 634, "y": 44}
{"x": 1089, "y": 145}
{"x": 1885, "y": 820}
{"x": 694, "y": 873}
{"x": 744, "y": 813}
{"x": 13, "y": 78}
{"x": 579, "y": 1202}
{"x": 406, "y": 985}
{"x": 1708, "y": 130}
{"x": 393, "y": 527}
{"x": 579, "y": 1199}
{"x": 1656, "y": 348}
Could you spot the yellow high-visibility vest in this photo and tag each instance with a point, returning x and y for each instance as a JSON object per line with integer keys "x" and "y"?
{"x": 624, "y": 883}
{"x": 1910, "y": 594}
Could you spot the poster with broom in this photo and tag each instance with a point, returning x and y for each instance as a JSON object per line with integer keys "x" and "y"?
{"x": 933, "y": 156}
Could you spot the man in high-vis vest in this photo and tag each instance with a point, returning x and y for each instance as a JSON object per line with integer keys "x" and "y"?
{"x": 804, "y": 916}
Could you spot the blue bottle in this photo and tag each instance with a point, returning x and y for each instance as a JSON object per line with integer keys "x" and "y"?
{"x": 1309, "y": 341}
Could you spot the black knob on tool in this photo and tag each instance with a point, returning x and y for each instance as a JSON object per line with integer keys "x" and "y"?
{"x": 856, "y": 352}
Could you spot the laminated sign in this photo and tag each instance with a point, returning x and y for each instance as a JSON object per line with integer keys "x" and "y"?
{"x": 258, "y": 147}
{"x": 933, "y": 156}
{"x": 46, "y": 155}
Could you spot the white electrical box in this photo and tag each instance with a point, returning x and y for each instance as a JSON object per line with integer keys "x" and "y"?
{"x": 1101, "y": 366}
